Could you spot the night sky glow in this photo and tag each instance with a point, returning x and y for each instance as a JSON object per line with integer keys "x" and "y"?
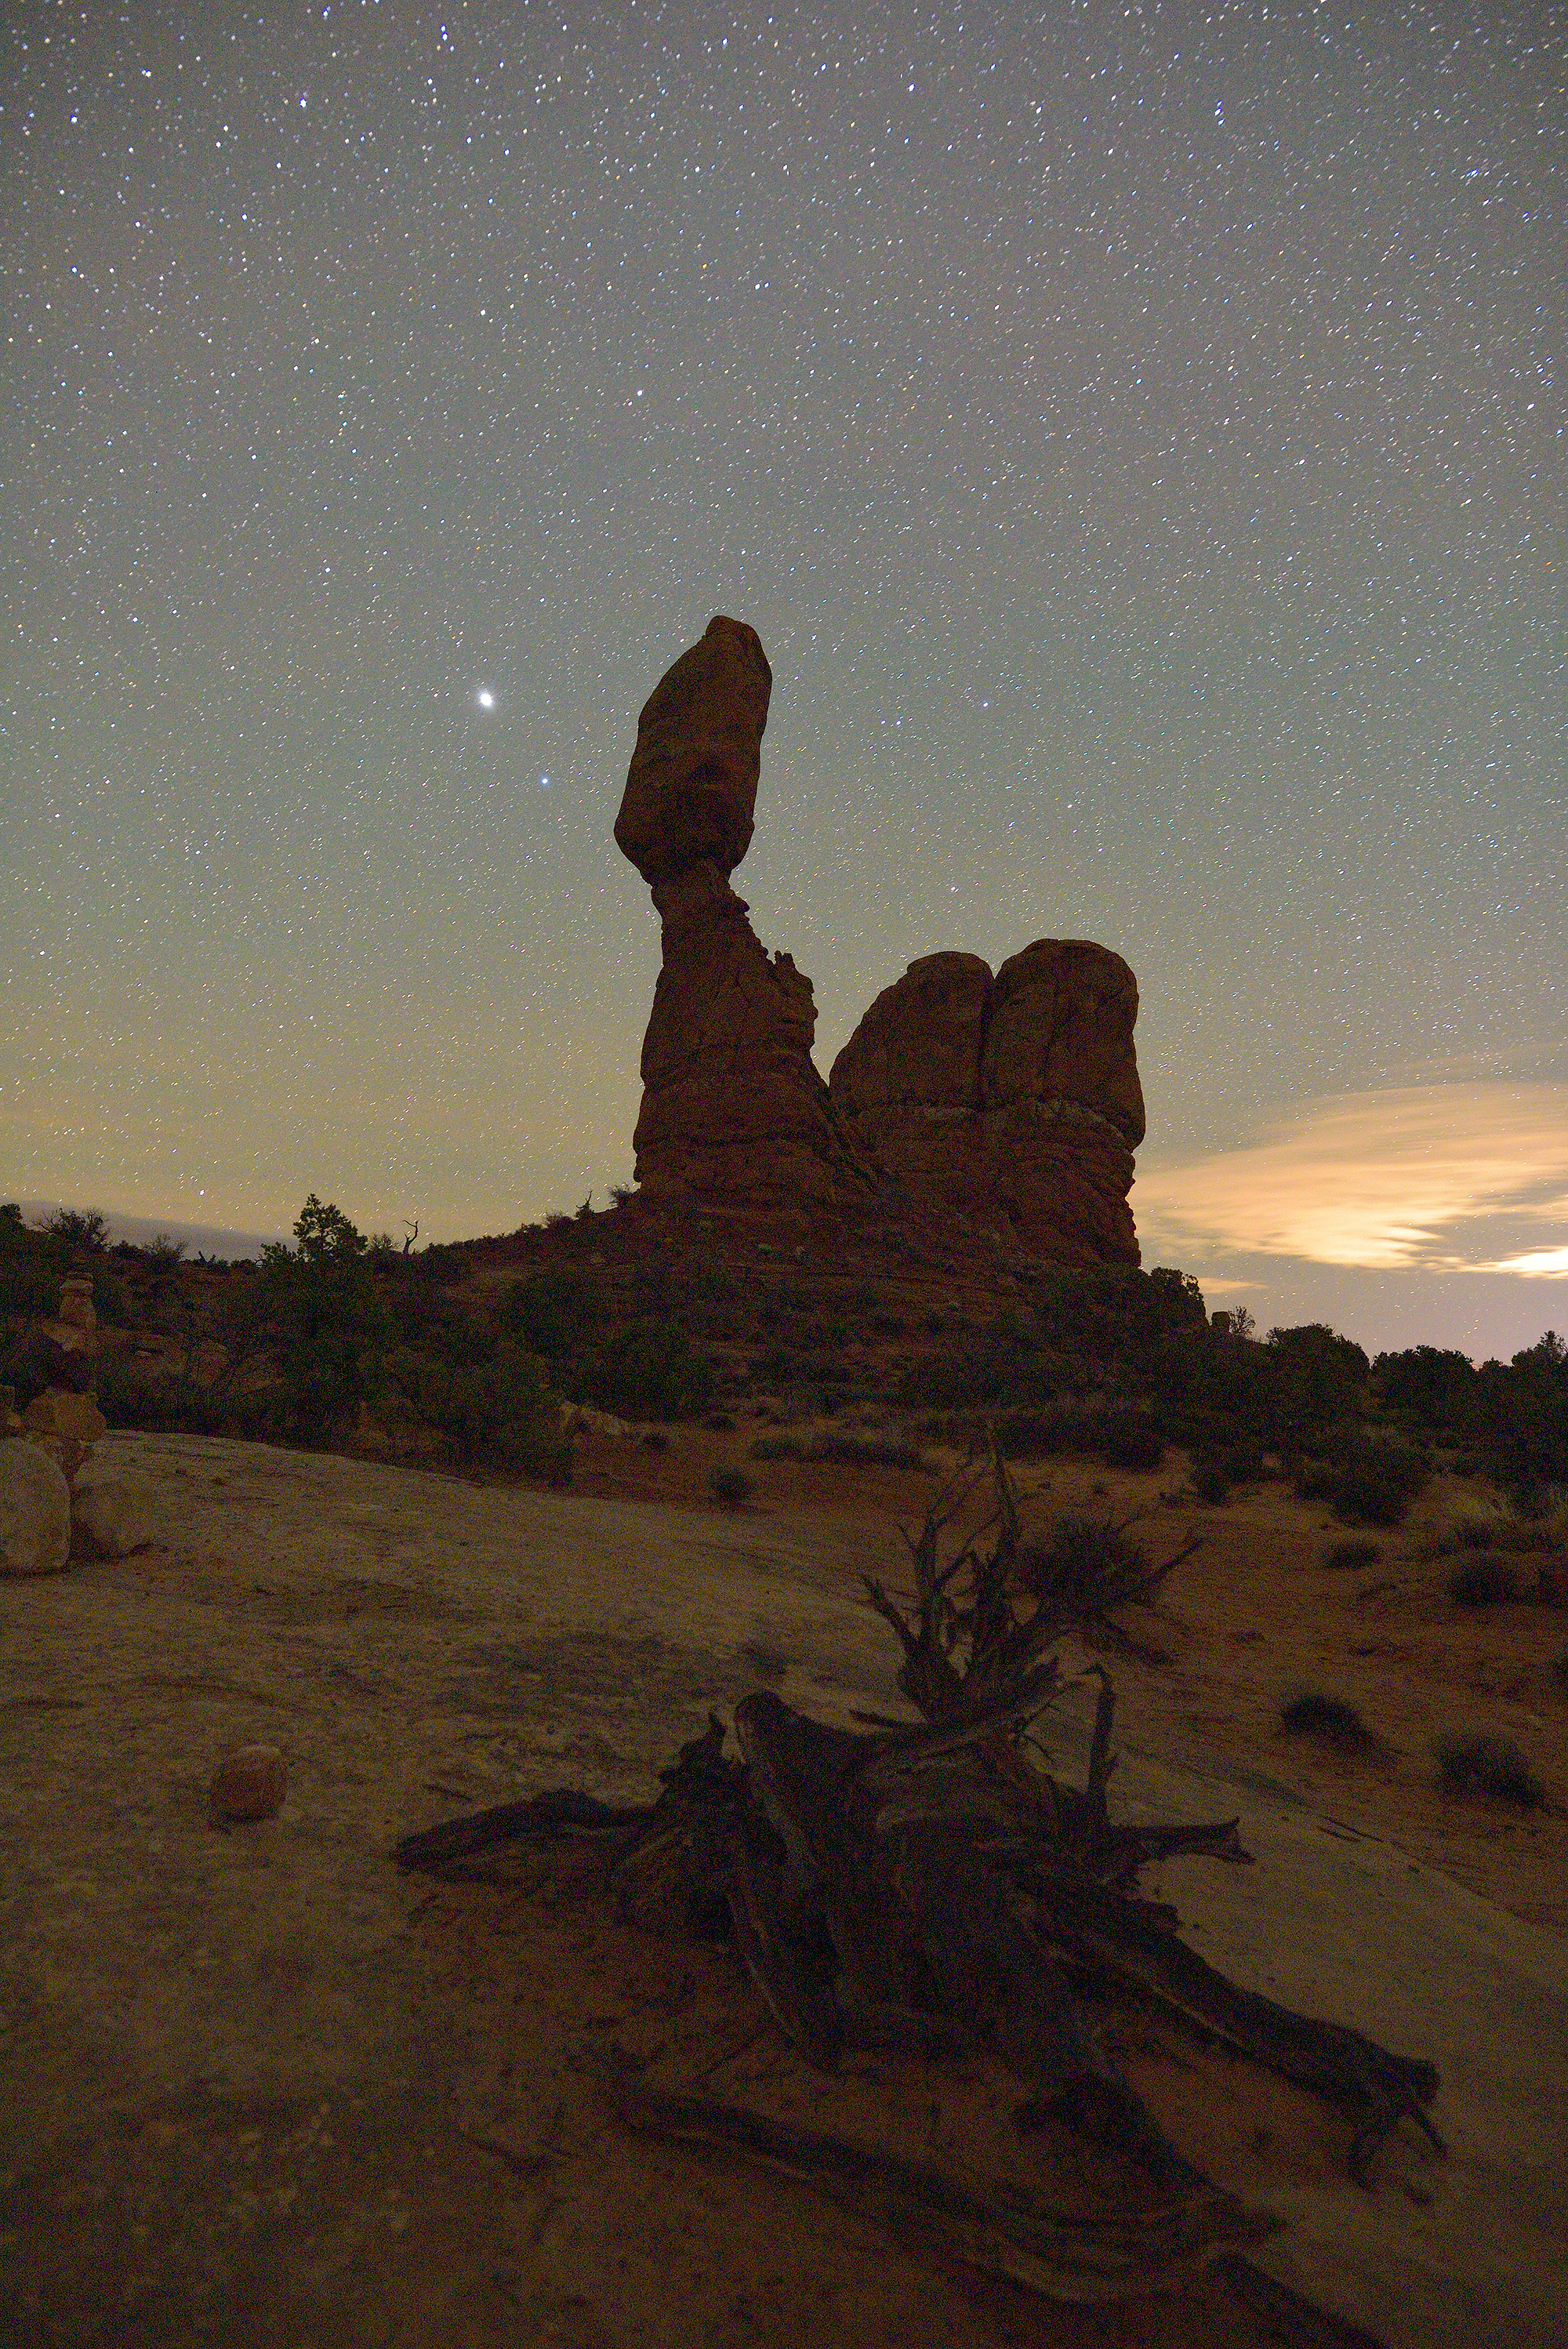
{"x": 1137, "y": 435}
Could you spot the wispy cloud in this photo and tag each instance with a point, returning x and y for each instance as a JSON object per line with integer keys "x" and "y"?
{"x": 1540, "y": 1264}
{"x": 1387, "y": 1180}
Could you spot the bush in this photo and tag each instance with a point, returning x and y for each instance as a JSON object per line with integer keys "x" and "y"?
{"x": 1483, "y": 1581}
{"x": 1373, "y": 1484}
{"x": 778, "y": 1447}
{"x": 1560, "y": 1672}
{"x": 1313, "y": 1714}
{"x": 550, "y": 1312}
{"x": 731, "y": 1487}
{"x": 497, "y": 1414}
{"x": 1351, "y": 1554}
{"x": 1211, "y": 1478}
{"x": 1487, "y": 1765}
{"x": 1034, "y": 1435}
{"x": 1088, "y": 1565}
{"x": 1125, "y": 1438}
{"x": 648, "y": 1372}
{"x": 1472, "y": 1532}
{"x": 864, "y": 1452}
{"x": 29, "y": 1288}
{"x": 79, "y": 1227}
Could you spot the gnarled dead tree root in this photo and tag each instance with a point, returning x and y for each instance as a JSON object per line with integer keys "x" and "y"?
{"x": 930, "y": 1886}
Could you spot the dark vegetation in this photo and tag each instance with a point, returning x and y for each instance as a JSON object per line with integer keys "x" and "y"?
{"x": 1314, "y": 1714}
{"x": 1487, "y": 1765}
{"x": 1118, "y": 1364}
{"x": 466, "y": 1352}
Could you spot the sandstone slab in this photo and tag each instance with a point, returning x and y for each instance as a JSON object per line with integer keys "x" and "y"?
{"x": 259, "y": 2087}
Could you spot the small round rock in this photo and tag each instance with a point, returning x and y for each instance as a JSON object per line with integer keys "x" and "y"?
{"x": 249, "y": 1783}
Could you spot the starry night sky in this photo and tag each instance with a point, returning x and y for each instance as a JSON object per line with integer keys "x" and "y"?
{"x": 1137, "y": 435}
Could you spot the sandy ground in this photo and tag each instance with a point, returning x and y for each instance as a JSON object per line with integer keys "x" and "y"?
{"x": 259, "y": 2087}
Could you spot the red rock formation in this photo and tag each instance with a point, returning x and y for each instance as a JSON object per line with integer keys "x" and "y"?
{"x": 734, "y": 1110}
{"x": 1012, "y": 1100}
{"x": 692, "y": 787}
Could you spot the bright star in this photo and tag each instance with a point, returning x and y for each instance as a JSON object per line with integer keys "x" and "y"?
{"x": 485, "y": 698}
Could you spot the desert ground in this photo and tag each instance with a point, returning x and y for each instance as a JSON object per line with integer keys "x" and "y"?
{"x": 262, "y": 2087}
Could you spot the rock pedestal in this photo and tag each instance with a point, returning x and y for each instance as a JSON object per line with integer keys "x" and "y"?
{"x": 734, "y": 1110}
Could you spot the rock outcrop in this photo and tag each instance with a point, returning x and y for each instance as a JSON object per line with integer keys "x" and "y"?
{"x": 734, "y": 1111}
{"x": 1011, "y": 1102}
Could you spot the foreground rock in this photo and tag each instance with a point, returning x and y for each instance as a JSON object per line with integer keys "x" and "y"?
{"x": 1011, "y": 1102}
{"x": 258, "y": 2089}
{"x": 35, "y": 1510}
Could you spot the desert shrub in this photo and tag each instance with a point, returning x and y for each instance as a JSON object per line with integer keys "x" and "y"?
{"x": 324, "y": 1317}
{"x": 1034, "y": 1435}
{"x": 29, "y": 1288}
{"x": 778, "y": 1447}
{"x": 1352, "y": 1554}
{"x": 1560, "y": 1671}
{"x": 1487, "y": 1766}
{"x": 648, "y": 1370}
{"x": 1471, "y": 1533}
{"x": 1314, "y": 1714}
{"x": 498, "y": 1414}
{"x": 550, "y": 1312}
{"x": 1430, "y": 1386}
{"x": 864, "y": 1452}
{"x": 1372, "y": 1482}
{"x": 1127, "y": 1438}
{"x": 1521, "y": 1422}
{"x": 79, "y": 1227}
{"x": 1211, "y": 1478}
{"x": 731, "y": 1487}
{"x": 1483, "y": 1581}
{"x": 424, "y": 1321}
{"x": 1087, "y": 1565}
{"x": 127, "y": 1397}
{"x": 111, "y": 1300}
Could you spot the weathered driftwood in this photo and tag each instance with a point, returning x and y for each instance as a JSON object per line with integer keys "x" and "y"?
{"x": 929, "y": 1884}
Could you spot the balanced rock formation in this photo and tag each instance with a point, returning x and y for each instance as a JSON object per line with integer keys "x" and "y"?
{"x": 1011, "y": 1101}
{"x": 734, "y": 1110}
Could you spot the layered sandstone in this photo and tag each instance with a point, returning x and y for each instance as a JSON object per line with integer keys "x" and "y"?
{"x": 1010, "y": 1101}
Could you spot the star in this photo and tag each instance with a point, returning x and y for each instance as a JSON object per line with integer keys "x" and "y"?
{"x": 485, "y": 698}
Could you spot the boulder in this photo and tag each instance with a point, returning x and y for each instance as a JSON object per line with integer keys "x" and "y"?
{"x": 77, "y": 1310}
{"x": 250, "y": 1782}
{"x": 691, "y": 791}
{"x": 1060, "y": 1029}
{"x": 733, "y": 1109}
{"x": 35, "y": 1510}
{"x": 66, "y": 1422}
{"x": 113, "y": 1513}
